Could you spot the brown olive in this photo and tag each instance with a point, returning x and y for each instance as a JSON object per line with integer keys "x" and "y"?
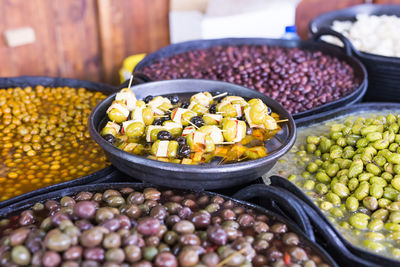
{"x": 19, "y": 236}
{"x": 133, "y": 253}
{"x": 166, "y": 259}
{"x": 51, "y": 259}
{"x": 149, "y": 226}
{"x": 85, "y": 209}
{"x": 94, "y": 254}
{"x": 184, "y": 227}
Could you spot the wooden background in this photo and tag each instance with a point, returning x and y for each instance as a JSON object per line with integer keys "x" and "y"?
{"x": 88, "y": 39}
{"x": 85, "y": 39}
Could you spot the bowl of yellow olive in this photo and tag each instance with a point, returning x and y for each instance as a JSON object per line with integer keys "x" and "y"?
{"x": 196, "y": 134}
{"x": 45, "y": 141}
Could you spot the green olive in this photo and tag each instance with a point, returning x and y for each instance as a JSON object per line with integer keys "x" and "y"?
{"x": 135, "y": 129}
{"x": 116, "y": 116}
{"x": 148, "y": 116}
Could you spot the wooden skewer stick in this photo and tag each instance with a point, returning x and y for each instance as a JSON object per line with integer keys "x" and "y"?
{"x": 220, "y": 95}
{"x": 191, "y": 123}
{"x": 285, "y": 120}
{"x": 225, "y": 143}
{"x": 227, "y": 259}
{"x": 160, "y": 116}
{"x": 130, "y": 82}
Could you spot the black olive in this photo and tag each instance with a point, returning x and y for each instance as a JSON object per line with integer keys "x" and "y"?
{"x": 174, "y": 99}
{"x": 158, "y": 121}
{"x": 216, "y": 160}
{"x": 185, "y": 104}
{"x": 249, "y": 130}
{"x": 213, "y": 109}
{"x": 168, "y": 116}
{"x": 181, "y": 140}
{"x": 183, "y": 151}
{"x": 198, "y": 121}
{"x": 109, "y": 138}
{"x": 243, "y": 118}
{"x": 164, "y": 135}
{"x": 269, "y": 110}
{"x": 148, "y": 98}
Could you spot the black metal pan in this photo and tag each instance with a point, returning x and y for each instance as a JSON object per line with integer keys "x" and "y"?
{"x": 24, "y": 81}
{"x": 323, "y": 226}
{"x": 383, "y": 72}
{"x": 271, "y": 196}
{"x": 334, "y": 51}
{"x": 204, "y": 176}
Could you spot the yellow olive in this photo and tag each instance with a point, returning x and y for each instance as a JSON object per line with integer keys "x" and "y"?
{"x": 199, "y": 109}
{"x": 186, "y": 117}
{"x": 116, "y": 115}
{"x": 172, "y": 148}
{"x": 135, "y": 129}
{"x": 148, "y": 117}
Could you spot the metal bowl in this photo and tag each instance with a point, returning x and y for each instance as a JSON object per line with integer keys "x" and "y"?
{"x": 193, "y": 176}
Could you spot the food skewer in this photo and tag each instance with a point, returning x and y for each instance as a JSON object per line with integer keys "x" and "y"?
{"x": 191, "y": 123}
{"x": 285, "y": 120}
{"x": 130, "y": 82}
{"x": 220, "y": 95}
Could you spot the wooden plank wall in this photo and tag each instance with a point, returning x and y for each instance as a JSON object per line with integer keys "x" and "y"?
{"x": 85, "y": 39}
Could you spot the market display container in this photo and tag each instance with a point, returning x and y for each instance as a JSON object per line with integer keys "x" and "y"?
{"x": 204, "y": 176}
{"x": 383, "y": 72}
{"x": 328, "y": 234}
{"x": 293, "y": 216}
{"x": 33, "y": 81}
{"x": 310, "y": 45}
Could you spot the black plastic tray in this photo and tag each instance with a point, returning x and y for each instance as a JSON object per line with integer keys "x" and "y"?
{"x": 328, "y": 232}
{"x": 293, "y": 216}
{"x": 24, "y": 81}
{"x": 334, "y": 51}
{"x": 383, "y": 72}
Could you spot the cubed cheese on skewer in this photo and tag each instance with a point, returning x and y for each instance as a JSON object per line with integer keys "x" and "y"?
{"x": 203, "y": 98}
{"x": 176, "y": 115}
{"x": 151, "y": 128}
{"x": 127, "y": 97}
{"x": 113, "y": 125}
{"x": 169, "y": 125}
{"x": 137, "y": 114}
{"x": 188, "y": 130}
{"x": 238, "y": 108}
{"x": 125, "y": 125}
{"x": 216, "y": 117}
{"x": 214, "y": 132}
{"x": 162, "y": 150}
{"x": 249, "y": 121}
{"x": 120, "y": 107}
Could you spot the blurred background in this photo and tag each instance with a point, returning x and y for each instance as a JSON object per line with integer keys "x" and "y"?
{"x": 89, "y": 39}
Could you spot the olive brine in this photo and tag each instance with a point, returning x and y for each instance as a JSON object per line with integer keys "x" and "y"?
{"x": 144, "y": 228}
{"x": 355, "y": 179}
{"x": 218, "y": 129}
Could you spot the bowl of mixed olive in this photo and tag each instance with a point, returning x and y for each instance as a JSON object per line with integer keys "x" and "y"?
{"x": 219, "y": 133}
{"x": 133, "y": 225}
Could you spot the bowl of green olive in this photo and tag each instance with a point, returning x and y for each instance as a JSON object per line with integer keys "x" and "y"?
{"x": 217, "y": 134}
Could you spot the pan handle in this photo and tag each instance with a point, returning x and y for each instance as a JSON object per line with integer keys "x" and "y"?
{"x": 138, "y": 78}
{"x": 286, "y": 201}
{"x": 348, "y": 47}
